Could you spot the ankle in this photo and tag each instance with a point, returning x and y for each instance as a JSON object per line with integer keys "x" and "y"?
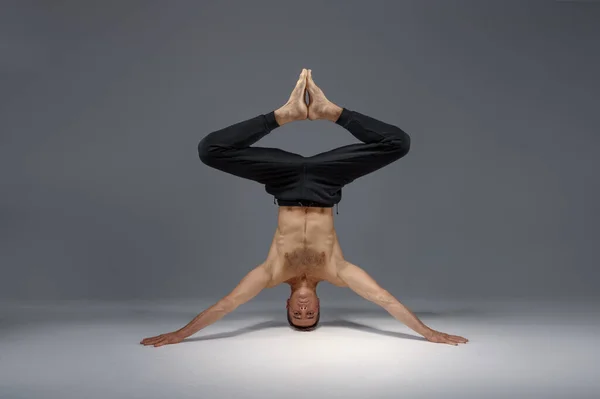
{"x": 334, "y": 112}
{"x": 283, "y": 116}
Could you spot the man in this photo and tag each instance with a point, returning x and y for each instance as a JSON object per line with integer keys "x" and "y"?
{"x": 305, "y": 249}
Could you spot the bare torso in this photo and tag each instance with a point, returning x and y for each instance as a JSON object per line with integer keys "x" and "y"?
{"x": 305, "y": 244}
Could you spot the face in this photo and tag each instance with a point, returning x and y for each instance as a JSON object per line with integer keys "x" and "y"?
{"x": 303, "y": 307}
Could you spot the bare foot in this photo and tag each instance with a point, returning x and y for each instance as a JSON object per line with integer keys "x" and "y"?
{"x": 319, "y": 107}
{"x": 295, "y": 108}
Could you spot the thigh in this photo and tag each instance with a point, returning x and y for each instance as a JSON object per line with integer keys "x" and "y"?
{"x": 343, "y": 165}
{"x": 270, "y": 166}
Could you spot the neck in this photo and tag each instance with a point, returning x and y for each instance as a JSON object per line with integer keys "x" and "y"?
{"x": 303, "y": 282}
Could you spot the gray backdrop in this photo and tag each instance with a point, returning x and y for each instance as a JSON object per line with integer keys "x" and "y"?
{"x": 103, "y": 104}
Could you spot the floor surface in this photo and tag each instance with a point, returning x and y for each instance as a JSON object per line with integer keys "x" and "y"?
{"x": 91, "y": 350}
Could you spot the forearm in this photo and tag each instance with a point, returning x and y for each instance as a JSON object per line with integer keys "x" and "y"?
{"x": 365, "y": 286}
{"x": 206, "y": 318}
{"x": 404, "y": 315}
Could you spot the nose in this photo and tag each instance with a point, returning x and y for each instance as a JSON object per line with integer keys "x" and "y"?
{"x": 303, "y": 303}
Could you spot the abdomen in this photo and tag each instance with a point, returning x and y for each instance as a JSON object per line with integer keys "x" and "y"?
{"x": 305, "y": 236}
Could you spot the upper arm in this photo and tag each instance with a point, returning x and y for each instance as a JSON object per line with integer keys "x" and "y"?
{"x": 250, "y": 286}
{"x": 364, "y": 285}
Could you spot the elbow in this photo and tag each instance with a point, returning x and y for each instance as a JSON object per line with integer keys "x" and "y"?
{"x": 227, "y": 305}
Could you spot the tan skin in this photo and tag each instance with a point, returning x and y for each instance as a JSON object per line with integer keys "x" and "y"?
{"x": 305, "y": 251}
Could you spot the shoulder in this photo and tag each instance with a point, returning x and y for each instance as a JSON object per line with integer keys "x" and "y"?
{"x": 333, "y": 270}
{"x": 273, "y": 271}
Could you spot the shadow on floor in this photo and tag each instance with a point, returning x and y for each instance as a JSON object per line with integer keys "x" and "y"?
{"x": 282, "y": 323}
{"x": 341, "y": 312}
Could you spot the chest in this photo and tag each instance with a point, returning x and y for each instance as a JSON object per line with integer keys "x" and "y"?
{"x": 305, "y": 263}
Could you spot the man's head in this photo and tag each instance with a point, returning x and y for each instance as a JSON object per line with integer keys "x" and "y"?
{"x": 303, "y": 311}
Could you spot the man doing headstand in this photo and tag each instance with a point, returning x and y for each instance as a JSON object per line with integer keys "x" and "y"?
{"x": 305, "y": 248}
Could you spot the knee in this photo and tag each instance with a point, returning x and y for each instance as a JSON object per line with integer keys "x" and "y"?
{"x": 206, "y": 152}
{"x": 400, "y": 142}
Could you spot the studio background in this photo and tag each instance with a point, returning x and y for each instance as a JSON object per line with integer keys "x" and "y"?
{"x": 103, "y": 105}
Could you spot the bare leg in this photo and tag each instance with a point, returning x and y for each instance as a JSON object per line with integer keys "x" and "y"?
{"x": 319, "y": 107}
{"x": 295, "y": 108}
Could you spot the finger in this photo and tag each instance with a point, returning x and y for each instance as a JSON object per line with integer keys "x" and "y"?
{"x": 454, "y": 340}
{"x": 450, "y": 338}
{"x": 154, "y": 339}
{"x": 458, "y": 338}
{"x": 442, "y": 340}
{"x": 147, "y": 340}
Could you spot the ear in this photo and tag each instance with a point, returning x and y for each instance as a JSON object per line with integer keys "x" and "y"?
{"x": 287, "y": 303}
